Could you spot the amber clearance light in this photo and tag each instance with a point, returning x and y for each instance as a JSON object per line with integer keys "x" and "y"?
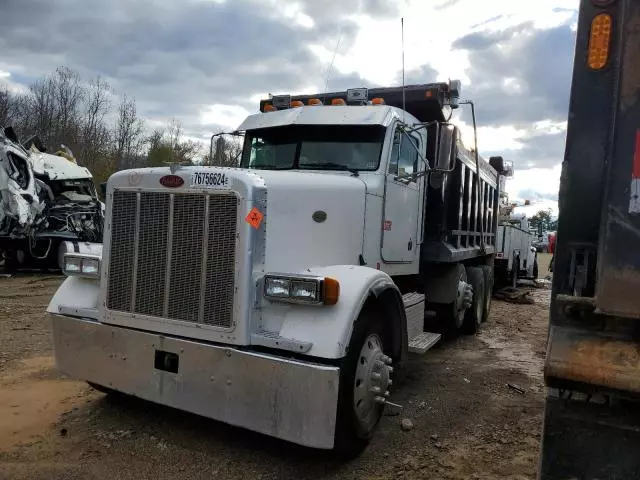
{"x": 599, "y": 41}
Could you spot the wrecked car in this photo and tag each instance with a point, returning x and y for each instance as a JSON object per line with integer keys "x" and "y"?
{"x": 49, "y": 205}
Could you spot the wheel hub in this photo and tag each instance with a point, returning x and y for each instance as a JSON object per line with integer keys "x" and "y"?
{"x": 373, "y": 378}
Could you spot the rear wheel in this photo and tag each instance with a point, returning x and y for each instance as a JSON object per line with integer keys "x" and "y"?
{"x": 364, "y": 382}
{"x": 473, "y": 316}
{"x": 448, "y": 318}
{"x": 488, "y": 290}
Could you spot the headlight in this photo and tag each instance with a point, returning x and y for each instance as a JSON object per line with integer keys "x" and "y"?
{"x": 302, "y": 289}
{"x": 81, "y": 265}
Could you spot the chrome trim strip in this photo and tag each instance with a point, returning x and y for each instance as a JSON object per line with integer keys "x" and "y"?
{"x": 167, "y": 275}
{"x": 136, "y": 241}
{"x": 203, "y": 264}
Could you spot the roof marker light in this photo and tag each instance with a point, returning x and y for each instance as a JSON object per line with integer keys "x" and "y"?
{"x": 297, "y": 104}
{"x": 269, "y": 108}
{"x": 315, "y": 101}
{"x": 338, "y": 101}
{"x": 377, "y": 101}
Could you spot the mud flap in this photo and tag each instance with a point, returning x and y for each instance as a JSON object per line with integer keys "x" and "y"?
{"x": 585, "y": 440}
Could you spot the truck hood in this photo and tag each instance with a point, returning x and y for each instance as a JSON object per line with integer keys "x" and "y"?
{"x": 313, "y": 219}
{"x": 57, "y": 167}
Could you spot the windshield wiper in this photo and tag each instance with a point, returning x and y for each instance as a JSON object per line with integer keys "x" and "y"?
{"x": 332, "y": 165}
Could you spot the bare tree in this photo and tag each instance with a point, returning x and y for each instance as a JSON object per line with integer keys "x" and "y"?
{"x": 95, "y": 136}
{"x": 39, "y": 112}
{"x": 6, "y": 107}
{"x": 69, "y": 95}
{"x": 127, "y": 133}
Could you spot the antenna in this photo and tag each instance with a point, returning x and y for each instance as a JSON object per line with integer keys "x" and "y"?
{"x": 402, "y": 33}
{"x": 330, "y": 67}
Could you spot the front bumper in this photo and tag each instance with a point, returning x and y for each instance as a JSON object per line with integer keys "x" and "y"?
{"x": 284, "y": 398}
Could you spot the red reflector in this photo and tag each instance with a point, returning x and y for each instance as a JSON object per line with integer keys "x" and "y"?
{"x": 636, "y": 157}
{"x": 171, "y": 181}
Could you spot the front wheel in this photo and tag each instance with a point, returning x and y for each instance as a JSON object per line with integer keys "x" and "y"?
{"x": 365, "y": 377}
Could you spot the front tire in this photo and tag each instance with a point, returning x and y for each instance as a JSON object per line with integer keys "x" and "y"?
{"x": 364, "y": 381}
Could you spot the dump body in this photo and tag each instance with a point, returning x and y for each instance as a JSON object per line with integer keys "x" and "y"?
{"x": 592, "y": 366}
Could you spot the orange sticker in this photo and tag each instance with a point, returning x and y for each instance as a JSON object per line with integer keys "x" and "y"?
{"x": 254, "y": 218}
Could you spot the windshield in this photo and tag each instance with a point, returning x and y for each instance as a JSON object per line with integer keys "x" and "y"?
{"x": 318, "y": 147}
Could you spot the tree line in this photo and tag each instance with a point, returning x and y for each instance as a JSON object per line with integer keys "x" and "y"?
{"x": 101, "y": 127}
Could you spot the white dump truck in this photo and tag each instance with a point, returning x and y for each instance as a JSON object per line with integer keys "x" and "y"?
{"x": 280, "y": 296}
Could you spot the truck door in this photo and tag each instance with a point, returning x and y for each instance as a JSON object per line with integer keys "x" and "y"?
{"x": 401, "y": 206}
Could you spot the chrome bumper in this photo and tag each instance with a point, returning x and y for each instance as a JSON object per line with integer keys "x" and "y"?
{"x": 288, "y": 399}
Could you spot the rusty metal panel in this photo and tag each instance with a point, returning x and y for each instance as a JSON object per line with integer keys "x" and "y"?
{"x": 586, "y": 357}
{"x": 618, "y": 277}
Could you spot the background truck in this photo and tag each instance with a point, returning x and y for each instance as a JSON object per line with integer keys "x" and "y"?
{"x": 280, "y": 296}
{"x": 516, "y": 257}
{"x": 48, "y": 205}
{"x": 592, "y": 368}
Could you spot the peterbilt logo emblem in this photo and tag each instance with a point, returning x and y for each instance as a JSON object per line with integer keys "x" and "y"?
{"x": 135, "y": 178}
{"x": 171, "y": 181}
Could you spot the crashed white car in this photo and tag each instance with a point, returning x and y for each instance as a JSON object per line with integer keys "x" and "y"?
{"x": 48, "y": 205}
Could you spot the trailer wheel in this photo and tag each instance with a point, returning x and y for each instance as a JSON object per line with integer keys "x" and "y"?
{"x": 488, "y": 290}
{"x": 473, "y": 316}
{"x": 365, "y": 376}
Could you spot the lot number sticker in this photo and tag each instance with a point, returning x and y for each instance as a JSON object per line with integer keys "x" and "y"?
{"x": 209, "y": 180}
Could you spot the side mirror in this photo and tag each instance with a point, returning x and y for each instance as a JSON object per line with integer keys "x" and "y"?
{"x": 447, "y": 148}
{"x": 103, "y": 189}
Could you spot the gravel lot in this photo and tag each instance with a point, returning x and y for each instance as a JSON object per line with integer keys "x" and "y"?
{"x": 468, "y": 423}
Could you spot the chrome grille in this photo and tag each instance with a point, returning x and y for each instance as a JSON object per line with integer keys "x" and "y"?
{"x": 173, "y": 256}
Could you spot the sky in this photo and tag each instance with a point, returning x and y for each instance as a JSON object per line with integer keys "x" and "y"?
{"x": 208, "y": 62}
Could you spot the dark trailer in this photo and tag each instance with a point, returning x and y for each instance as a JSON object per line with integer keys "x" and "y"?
{"x": 592, "y": 369}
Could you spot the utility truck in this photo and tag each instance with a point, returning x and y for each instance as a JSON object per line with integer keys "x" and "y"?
{"x": 280, "y": 296}
{"x": 592, "y": 367}
{"x": 516, "y": 257}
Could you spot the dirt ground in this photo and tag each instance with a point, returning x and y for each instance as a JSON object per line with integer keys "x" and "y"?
{"x": 476, "y": 404}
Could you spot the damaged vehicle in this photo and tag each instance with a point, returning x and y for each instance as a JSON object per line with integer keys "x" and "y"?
{"x": 49, "y": 205}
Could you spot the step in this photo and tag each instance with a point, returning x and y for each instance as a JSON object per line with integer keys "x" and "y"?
{"x": 423, "y": 342}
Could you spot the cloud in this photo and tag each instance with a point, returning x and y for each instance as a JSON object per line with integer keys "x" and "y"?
{"x": 520, "y": 75}
{"x": 208, "y": 62}
{"x": 182, "y": 59}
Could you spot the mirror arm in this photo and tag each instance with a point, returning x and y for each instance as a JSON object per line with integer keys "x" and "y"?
{"x": 411, "y": 176}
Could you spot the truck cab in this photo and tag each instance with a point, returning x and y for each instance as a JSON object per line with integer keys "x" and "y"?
{"x": 353, "y": 232}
